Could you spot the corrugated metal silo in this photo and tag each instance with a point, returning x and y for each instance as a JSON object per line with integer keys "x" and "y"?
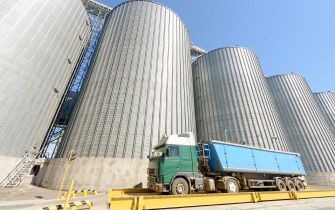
{"x": 139, "y": 86}
{"x": 40, "y": 42}
{"x": 233, "y": 100}
{"x": 308, "y": 130}
{"x": 326, "y": 101}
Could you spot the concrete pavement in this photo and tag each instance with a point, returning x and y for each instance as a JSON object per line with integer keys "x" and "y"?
{"x": 32, "y": 197}
{"x": 302, "y": 204}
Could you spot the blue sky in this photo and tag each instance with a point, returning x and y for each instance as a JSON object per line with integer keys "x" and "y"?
{"x": 287, "y": 35}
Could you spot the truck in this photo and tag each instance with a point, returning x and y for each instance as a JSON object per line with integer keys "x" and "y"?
{"x": 179, "y": 166}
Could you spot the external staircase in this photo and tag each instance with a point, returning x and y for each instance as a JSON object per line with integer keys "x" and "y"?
{"x": 16, "y": 176}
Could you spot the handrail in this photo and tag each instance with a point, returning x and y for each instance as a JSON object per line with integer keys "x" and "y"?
{"x": 13, "y": 172}
{"x": 9, "y": 174}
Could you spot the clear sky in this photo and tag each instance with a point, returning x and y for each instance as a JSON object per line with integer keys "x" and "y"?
{"x": 287, "y": 35}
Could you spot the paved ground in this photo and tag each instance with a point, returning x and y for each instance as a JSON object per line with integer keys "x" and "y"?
{"x": 31, "y": 197}
{"x": 303, "y": 204}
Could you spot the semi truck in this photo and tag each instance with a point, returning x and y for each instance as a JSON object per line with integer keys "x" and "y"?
{"x": 180, "y": 166}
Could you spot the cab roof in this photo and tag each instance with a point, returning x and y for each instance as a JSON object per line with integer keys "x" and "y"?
{"x": 178, "y": 139}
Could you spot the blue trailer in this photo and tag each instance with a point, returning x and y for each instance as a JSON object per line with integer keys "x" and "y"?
{"x": 228, "y": 157}
{"x": 251, "y": 167}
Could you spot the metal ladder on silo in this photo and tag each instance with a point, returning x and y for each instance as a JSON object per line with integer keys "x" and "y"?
{"x": 16, "y": 176}
{"x": 203, "y": 154}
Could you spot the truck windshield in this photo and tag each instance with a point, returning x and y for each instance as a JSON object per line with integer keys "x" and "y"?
{"x": 158, "y": 152}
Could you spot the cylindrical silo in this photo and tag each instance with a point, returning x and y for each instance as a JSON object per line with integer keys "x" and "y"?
{"x": 307, "y": 128}
{"x": 326, "y": 101}
{"x": 40, "y": 42}
{"x": 233, "y": 101}
{"x": 139, "y": 87}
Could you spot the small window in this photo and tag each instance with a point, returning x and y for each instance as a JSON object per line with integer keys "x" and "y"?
{"x": 174, "y": 151}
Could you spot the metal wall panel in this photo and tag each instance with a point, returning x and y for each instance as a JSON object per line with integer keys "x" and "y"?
{"x": 308, "y": 130}
{"x": 36, "y": 40}
{"x": 139, "y": 85}
{"x": 233, "y": 101}
{"x": 326, "y": 101}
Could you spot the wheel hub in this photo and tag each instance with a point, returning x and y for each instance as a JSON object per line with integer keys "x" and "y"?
{"x": 232, "y": 187}
{"x": 282, "y": 186}
{"x": 180, "y": 188}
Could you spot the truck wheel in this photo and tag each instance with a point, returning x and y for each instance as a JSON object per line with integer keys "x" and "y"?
{"x": 300, "y": 185}
{"x": 281, "y": 185}
{"x": 290, "y": 185}
{"x": 232, "y": 186}
{"x": 179, "y": 187}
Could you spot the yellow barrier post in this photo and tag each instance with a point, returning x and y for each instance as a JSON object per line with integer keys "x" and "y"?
{"x": 61, "y": 185}
{"x": 254, "y": 196}
{"x": 140, "y": 203}
{"x": 68, "y": 195}
{"x": 308, "y": 187}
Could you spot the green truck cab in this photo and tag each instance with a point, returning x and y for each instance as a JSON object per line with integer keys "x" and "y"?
{"x": 173, "y": 164}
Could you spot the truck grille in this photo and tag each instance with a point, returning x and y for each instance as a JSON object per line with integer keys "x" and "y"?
{"x": 152, "y": 172}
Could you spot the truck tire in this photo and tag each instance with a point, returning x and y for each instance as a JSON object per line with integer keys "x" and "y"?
{"x": 299, "y": 185}
{"x": 290, "y": 185}
{"x": 179, "y": 187}
{"x": 281, "y": 186}
{"x": 231, "y": 186}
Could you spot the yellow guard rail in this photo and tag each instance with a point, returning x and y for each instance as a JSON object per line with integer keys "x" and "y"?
{"x": 73, "y": 193}
{"x": 119, "y": 200}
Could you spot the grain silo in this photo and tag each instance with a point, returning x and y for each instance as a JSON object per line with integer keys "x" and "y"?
{"x": 326, "y": 101}
{"x": 307, "y": 128}
{"x": 139, "y": 87}
{"x": 233, "y": 101}
{"x": 40, "y": 42}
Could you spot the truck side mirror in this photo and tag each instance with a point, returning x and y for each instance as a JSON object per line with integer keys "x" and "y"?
{"x": 167, "y": 152}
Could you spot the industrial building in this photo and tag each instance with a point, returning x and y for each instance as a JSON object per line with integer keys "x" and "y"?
{"x": 139, "y": 88}
{"x": 108, "y": 83}
{"x": 308, "y": 130}
{"x": 233, "y": 101}
{"x": 40, "y": 43}
{"x": 326, "y": 101}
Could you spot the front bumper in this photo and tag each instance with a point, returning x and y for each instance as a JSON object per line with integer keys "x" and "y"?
{"x": 154, "y": 185}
